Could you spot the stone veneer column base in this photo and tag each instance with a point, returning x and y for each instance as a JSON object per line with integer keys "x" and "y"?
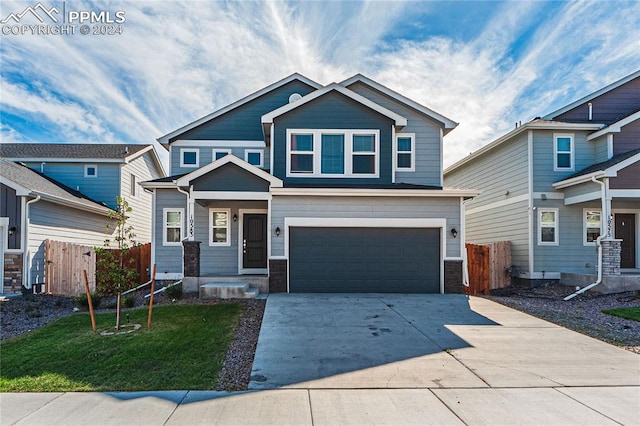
{"x": 12, "y": 280}
{"x": 453, "y": 276}
{"x": 277, "y": 275}
{"x": 191, "y": 258}
{"x": 611, "y": 252}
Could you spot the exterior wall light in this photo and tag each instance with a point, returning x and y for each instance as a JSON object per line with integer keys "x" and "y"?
{"x": 235, "y": 217}
{"x": 454, "y": 232}
{"x": 12, "y": 230}
{"x": 277, "y": 231}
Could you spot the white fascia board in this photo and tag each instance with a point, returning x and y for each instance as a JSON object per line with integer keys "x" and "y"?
{"x": 447, "y": 122}
{"x": 185, "y": 180}
{"x": 624, "y": 193}
{"x": 397, "y": 118}
{"x": 578, "y": 180}
{"x": 154, "y": 156}
{"x": 101, "y": 210}
{"x": 615, "y": 127}
{"x": 151, "y": 185}
{"x": 372, "y": 192}
{"x": 165, "y": 139}
{"x": 533, "y": 125}
{"x": 591, "y": 96}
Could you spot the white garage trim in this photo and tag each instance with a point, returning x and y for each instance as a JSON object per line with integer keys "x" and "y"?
{"x": 354, "y": 222}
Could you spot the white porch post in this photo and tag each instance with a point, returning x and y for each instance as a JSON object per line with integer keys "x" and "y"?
{"x": 190, "y": 210}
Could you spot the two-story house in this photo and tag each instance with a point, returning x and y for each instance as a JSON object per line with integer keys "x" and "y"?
{"x": 565, "y": 190}
{"x": 300, "y": 187}
{"x": 64, "y": 192}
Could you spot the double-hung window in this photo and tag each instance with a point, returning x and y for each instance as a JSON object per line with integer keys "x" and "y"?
{"x": 173, "y": 228}
{"x": 548, "y": 227}
{"x": 405, "y": 152}
{"x": 333, "y": 153}
{"x": 301, "y": 153}
{"x": 219, "y": 227}
{"x": 592, "y": 226}
{"x": 563, "y": 147}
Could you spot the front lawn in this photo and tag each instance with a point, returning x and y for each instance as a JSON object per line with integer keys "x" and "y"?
{"x": 628, "y": 313}
{"x": 184, "y": 349}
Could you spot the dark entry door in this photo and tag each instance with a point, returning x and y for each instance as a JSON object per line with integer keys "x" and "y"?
{"x": 254, "y": 243}
{"x": 626, "y": 231}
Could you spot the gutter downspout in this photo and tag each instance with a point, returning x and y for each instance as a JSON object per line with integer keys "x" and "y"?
{"x": 188, "y": 218}
{"x": 598, "y": 242}
{"x": 25, "y": 234}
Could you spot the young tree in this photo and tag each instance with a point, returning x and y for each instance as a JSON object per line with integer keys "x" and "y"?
{"x": 115, "y": 272}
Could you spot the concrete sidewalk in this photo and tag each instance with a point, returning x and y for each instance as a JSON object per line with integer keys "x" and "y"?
{"x": 500, "y": 367}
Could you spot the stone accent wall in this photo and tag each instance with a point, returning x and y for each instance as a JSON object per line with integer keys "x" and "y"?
{"x": 277, "y": 275}
{"x": 453, "y": 276}
{"x": 191, "y": 258}
{"x": 611, "y": 251}
{"x": 12, "y": 279}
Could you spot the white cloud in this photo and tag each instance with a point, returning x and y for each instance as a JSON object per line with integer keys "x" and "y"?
{"x": 178, "y": 61}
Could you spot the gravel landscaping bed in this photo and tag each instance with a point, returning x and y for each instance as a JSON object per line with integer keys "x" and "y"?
{"x": 583, "y": 313}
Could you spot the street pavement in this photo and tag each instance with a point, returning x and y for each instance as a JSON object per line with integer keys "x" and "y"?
{"x": 385, "y": 359}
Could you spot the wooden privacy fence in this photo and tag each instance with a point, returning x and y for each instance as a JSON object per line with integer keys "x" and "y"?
{"x": 66, "y": 261}
{"x": 488, "y": 266}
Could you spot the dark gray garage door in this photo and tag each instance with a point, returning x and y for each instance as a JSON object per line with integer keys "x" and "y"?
{"x": 364, "y": 260}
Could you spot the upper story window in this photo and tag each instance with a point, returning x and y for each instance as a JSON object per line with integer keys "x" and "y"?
{"x": 333, "y": 153}
{"x": 592, "y": 226}
{"x": 563, "y": 148}
{"x": 173, "y": 228}
{"x": 253, "y": 157}
{"x": 219, "y": 153}
{"x": 91, "y": 170}
{"x": 548, "y": 227}
{"x": 405, "y": 152}
{"x": 189, "y": 157}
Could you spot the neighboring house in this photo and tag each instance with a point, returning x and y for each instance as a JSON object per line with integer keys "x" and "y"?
{"x": 64, "y": 192}
{"x": 101, "y": 172}
{"x": 33, "y": 208}
{"x": 561, "y": 187}
{"x": 311, "y": 188}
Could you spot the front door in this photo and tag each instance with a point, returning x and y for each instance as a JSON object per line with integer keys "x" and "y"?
{"x": 254, "y": 241}
{"x": 626, "y": 231}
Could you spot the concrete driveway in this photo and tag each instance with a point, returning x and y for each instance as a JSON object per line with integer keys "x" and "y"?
{"x": 425, "y": 341}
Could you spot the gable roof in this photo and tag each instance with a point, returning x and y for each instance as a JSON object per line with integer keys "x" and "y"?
{"x": 536, "y": 124}
{"x": 268, "y": 118}
{"x": 446, "y": 122}
{"x": 615, "y": 127}
{"x": 607, "y": 168}
{"x": 166, "y": 138}
{"x": 592, "y": 96}
{"x": 185, "y": 180}
{"x": 28, "y": 182}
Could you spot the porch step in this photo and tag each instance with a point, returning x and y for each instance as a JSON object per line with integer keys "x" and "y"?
{"x": 227, "y": 290}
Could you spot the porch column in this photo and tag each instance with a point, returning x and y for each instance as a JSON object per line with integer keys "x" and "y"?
{"x": 611, "y": 251}
{"x": 191, "y": 258}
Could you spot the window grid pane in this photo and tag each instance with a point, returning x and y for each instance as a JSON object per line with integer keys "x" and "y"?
{"x": 189, "y": 157}
{"x": 302, "y": 143}
{"x": 364, "y": 143}
{"x": 364, "y": 164}
{"x": 332, "y": 156}
{"x": 254, "y": 158}
{"x": 404, "y": 144}
{"x": 404, "y": 161}
{"x": 220, "y": 223}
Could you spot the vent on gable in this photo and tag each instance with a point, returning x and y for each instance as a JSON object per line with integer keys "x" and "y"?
{"x": 294, "y": 97}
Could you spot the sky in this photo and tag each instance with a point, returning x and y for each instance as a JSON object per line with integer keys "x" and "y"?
{"x": 483, "y": 64}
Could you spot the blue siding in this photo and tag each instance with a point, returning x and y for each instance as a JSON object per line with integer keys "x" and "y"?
{"x": 206, "y": 155}
{"x": 333, "y": 111}
{"x": 230, "y": 178}
{"x": 243, "y": 123}
{"x": 103, "y": 188}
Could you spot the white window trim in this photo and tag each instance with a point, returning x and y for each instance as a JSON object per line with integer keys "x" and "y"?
{"x": 556, "y": 226}
{"x": 254, "y": 151}
{"x": 185, "y": 150}
{"x": 218, "y": 210}
{"x": 584, "y": 226}
{"x": 348, "y": 152}
{"x": 86, "y": 168}
{"x": 412, "y": 168}
{"x": 571, "y": 152}
{"x": 133, "y": 185}
{"x": 164, "y": 226}
{"x": 215, "y": 151}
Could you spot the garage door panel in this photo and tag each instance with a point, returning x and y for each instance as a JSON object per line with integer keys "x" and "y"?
{"x": 387, "y": 260}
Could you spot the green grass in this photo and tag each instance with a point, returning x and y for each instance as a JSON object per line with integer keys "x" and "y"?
{"x": 184, "y": 349}
{"x": 628, "y": 313}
